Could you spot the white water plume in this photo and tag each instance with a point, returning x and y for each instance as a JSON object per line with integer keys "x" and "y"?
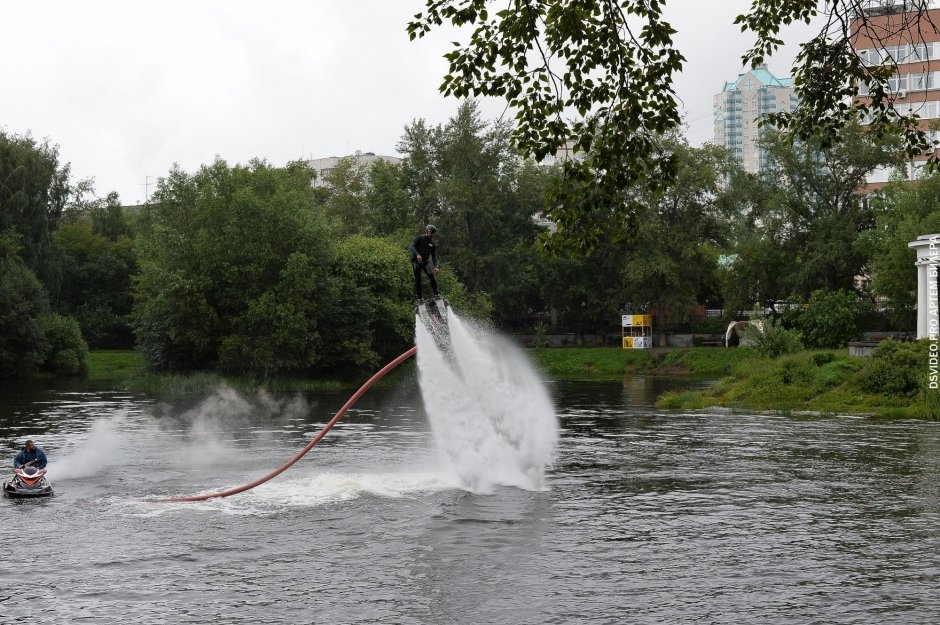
{"x": 201, "y": 435}
{"x": 491, "y": 415}
{"x": 102, "y": 447}
{"x": 209, "y": 428}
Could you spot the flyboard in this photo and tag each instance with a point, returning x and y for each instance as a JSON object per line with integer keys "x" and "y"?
{"x": 432, "y": 311}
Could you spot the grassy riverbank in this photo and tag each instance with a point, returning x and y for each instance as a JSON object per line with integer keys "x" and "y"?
{"x": 614, "y": 363}
{"x": 127, "y": 369}
{"x": 892, "y": 383}
{"x": 590, "y": 362}
{"x": 114, "y": 364}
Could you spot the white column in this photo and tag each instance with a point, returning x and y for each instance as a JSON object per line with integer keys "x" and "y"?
{"x": 923, "y": 303}
{"x": 927, "y": 250}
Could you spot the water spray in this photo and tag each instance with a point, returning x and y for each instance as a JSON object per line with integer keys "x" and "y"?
{"x": 303, "y": 452}
{"x": 492, "y": 417}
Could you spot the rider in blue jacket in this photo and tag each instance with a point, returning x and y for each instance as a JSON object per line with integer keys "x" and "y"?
{"x": 30, "y": 453}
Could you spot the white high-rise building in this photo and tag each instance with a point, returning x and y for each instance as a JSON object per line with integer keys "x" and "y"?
{"x": 739, "y": 108}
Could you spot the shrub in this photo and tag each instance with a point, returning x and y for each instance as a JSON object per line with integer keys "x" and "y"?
{"x": 792, "y": 371}
{"x": 822, "y": 358}
{"x": 709, "y": 325}
{"x": 541, "y": 335}
{"x": 830, "y": 320}
{"x": 773, "y": 340}
{"x": 895, "y": 368}
{"x": 66, "y": 350}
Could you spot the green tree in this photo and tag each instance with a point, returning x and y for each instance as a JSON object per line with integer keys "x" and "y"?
{"x": 823, "y": 214}
{"x": 372, "y": 320}
{"x": 830, "y": 320}
{"x": 96, "y": 280}
{"x": 672, "y": 264}
{"x": 755, "y": 275}
{"x": 583, "y": 294}
{"x": 599, "y": 75}
{"x": 418, "y": 172}
{"x": 803, "y": 216}
{"x": 108, "y": 219}
{"x": 387, "y": 201}
{"x": 66, "y": 351}
{"x": 902, "y": 213}
{"x": 346, "y": 202}
{"x": 235, "y": 271}
{"x": 751, "y": 274}
{"x": 34, "y": 189}
{"x": 466, "y": 179}
{"x": 474, "y": 162}
{"x": 22, "y": 306}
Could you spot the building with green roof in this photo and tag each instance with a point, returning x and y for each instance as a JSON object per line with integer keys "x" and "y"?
{"x": 740, "y": 106}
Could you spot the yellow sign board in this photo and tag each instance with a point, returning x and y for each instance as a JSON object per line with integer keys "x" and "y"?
{"x": 630, "y": 321}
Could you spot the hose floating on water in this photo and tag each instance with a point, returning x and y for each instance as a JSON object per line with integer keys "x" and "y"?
{"x": 316, "y": 439}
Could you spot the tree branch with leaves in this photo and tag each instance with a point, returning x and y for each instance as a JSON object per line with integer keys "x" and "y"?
{"x": 596, "y": 77}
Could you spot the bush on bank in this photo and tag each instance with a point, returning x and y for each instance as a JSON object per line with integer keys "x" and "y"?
{"x": 66, "y": 350}
{"x": 892, "y": 382}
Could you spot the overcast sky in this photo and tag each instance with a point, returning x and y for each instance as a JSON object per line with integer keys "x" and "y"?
{"x": 127, "y": 88}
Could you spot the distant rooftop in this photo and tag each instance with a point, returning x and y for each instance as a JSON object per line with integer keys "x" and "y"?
{"x": 762, "y": 74}
{"x": 872, "y": 8}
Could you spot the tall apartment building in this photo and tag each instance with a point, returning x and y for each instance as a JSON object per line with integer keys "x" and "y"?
{"x": 903, "y": 33}
{"x": 739, "y": 107}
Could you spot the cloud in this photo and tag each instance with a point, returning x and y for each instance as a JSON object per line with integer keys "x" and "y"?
{"x": 128, "y": 88}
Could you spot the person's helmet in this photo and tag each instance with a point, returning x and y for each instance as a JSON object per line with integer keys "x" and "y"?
{"x": 430, "y": 229}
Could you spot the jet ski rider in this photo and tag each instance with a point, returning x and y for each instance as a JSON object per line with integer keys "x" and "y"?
{"x": 424, "y": 259}
{"x": 30, "y": 454}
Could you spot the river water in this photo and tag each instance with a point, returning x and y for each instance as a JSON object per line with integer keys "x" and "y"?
{"x": 645, "y": 517}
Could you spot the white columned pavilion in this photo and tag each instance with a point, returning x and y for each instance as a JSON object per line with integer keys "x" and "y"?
{"x": 927, "y": 248}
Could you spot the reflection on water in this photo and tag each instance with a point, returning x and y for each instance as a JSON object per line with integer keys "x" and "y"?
{"x": 649, "y": 516}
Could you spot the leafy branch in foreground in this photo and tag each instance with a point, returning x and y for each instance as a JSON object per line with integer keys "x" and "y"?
{"x": 594, "y": 78}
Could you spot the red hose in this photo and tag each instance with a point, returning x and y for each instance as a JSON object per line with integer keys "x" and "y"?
{"x": 316, "y": 439}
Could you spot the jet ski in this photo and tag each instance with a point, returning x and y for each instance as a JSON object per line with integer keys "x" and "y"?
{"x": 28, "y": 482}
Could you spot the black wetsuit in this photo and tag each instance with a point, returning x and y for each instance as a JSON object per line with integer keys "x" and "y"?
{"x": 424, "y": 246}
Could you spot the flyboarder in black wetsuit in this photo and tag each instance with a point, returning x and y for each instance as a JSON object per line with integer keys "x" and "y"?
{"x": 424, "y": 259}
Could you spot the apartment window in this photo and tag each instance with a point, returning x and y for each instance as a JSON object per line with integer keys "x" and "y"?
{"x": 921, "y": 52}
{"x": 897, "y": 82}
{"x": 926, "y": 110}
{"x": 895, "y": 54}
{"x": 922, "y": 81}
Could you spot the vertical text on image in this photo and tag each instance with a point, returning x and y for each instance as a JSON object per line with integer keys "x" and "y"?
{"x": 933, "y": 331}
